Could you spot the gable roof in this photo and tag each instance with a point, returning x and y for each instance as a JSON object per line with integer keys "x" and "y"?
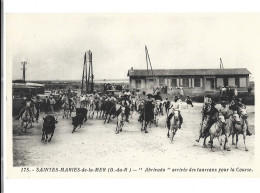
{"x": 185, "y": 72}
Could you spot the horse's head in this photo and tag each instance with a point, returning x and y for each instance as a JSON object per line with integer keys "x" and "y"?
{"x": 243, "y": 113}
{"x": 176, "y": 114}
{"x": 221, "y": 119}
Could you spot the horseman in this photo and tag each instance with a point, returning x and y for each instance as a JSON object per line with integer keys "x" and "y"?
{"x": 213, "y": 116}
{"x": 126, "y": 103}
{"x": 157, "y": 97}
{"x": 175, "y": 106}
{"x": 27, "y": 107}
{"x": 147, "y": 113}
{"x": 111, "y": 98}
{"x": 235, "y": 106}
{"x": 166, "y": 105}
{"x": 206, "y": 105}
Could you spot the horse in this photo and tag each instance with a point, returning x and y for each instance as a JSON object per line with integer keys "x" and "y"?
{"x": 203, "y": 126}
{"x": 240, "y": 126}
{"x": 133, "y": 107}
{"x": 91, "y": 108}
{"x": 173, "y": 125}
{"x": 216, "y": 130}
{"x": 120, "y": 119}
{"x": 98, "y": 104}
{"x": 157, "y": 112}
{"x": 26, "y": 119}
{"x": 66, "y": 109}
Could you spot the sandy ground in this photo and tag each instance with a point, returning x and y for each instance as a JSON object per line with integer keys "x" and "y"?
{"x": 97, "y": 145}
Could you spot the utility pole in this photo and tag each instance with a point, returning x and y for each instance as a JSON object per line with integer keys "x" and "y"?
{"x": 23, "y": 64}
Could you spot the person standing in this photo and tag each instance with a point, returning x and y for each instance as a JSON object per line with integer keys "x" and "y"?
{"x": 46, "y": 105}
{"x": 38, "y": 103}
{"x": 52, "y": 103}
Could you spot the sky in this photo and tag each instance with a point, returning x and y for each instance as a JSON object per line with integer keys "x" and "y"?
{"x": 54, "y": 44}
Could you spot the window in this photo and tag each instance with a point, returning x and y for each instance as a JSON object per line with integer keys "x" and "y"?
{"x": 185, "y": 82}
{"x": 196, "y": 82}
{"x": 231, "y": 81}
{"x": 161, "y": 82}
{"x": 220, "y": 82}
{"x": 174, "y": 82}
{"x": 242, "y": 82}
{"x": 138, "y": 83}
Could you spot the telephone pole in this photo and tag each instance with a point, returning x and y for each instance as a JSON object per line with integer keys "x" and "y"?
{"x": 23, "y": 64}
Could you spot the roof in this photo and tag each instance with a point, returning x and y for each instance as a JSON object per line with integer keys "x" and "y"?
{"x": 27, "y": 85}
{"x": 185, "y": 72}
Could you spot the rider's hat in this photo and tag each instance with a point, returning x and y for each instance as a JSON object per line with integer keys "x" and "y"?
{"x": 149, "y": 95}
{"x": 94, "y": 91}
{"x": 223, "y": 102}
{"x": 176, "y": 97}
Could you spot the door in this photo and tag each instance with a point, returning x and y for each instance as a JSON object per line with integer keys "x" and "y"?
{"x": 209, "y": 84}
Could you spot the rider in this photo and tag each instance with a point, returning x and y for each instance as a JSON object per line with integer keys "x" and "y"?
{"x": 175, "y": 106}
{"x": 111, "y": 98}
{"x": 125, "y": 103}
{"x": 157, "y": 97}
{"x": 27, "y": 107}
{"x": 96, "y": 95}
{"x": 235, "y": 105}
{"x": 167, "y": 104}
{"x": 213, "y": 116}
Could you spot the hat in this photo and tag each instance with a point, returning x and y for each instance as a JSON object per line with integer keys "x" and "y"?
{"x": 149, "y": 95}
{"x": 223, "y": 102}
{"x": 94, "y": 91}
{"x": 176, "y": 97}
{"x": 109, "y": 94}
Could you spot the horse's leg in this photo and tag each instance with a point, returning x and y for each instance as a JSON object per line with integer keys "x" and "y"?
{"x": 211, "y": 146}
{"x": 236, "y": 139}
{"x": 227, "y": 143}
{"x": 244, "y": 137}
{"x": 233, "y": 135}
{"x": 63, "y": 113}
{"x": 168, "y": 134}
{"x": 204, "y": 143}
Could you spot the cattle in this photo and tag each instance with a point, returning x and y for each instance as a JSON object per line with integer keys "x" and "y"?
{"x": 147, "y": 115}
{"x": 81, "y": 115}
{"x": 48, "y": 127}
{"x": 110, "y": 109}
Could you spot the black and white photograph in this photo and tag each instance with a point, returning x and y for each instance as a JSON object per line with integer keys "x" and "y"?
{"x": 132, "y": 94}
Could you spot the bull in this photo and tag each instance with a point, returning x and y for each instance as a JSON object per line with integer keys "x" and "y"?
{"x": 81, "y": 115}
{"x": 48, "y": 127}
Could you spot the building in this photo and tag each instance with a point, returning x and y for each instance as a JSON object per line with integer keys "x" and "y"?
{"x": 195, "y": 80}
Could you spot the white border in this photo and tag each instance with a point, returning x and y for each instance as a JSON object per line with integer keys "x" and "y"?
{"x": 132, "y": 185}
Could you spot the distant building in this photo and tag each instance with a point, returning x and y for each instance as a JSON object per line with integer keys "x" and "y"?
{"x": 195, "y": 80}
